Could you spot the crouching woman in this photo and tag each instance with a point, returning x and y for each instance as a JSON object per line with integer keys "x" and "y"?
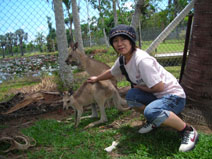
{"x": 155, "y": 92}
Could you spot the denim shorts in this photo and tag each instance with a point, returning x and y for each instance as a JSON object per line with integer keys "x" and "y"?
{"x": 157, "y": 110}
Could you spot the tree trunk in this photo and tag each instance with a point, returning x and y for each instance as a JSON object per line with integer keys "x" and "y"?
{"x": 70, "y": 29}
{"x": 120, "y": 11}
{"x": 115, "y": 13}
{"x": 64, "y": 70}
{"x": 21, "y": 47}
{"x": 3, "y": 52}
{"x": 136, "y": 16}
{"x": 89, "y": 27}
{"x": 197, "y": 78}
{"x": 103, "y": 24}
{"x": 77, "y": 27}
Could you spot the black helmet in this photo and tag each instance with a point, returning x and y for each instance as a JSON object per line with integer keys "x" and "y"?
{"x": 122, "y": 29}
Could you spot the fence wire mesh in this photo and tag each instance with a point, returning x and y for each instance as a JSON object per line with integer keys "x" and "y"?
{"x": 28, "y": 26}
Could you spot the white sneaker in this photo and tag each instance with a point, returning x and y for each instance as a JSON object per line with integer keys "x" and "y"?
{"x": 146, "y": 128}
{"x": 189, "y": 140}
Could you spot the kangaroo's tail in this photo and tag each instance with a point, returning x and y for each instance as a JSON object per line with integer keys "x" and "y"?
{"x": 118, "y": 102}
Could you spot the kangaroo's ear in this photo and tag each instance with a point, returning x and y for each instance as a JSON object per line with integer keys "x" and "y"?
{"x": 71, "y": 91}
{"x": 76, "y": 45}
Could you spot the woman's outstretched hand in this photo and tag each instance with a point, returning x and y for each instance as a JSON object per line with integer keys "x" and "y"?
{"x": 92, "y": 79}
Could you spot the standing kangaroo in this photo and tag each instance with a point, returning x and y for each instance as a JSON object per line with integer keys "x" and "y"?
{"x": 89, "y": 93}
{"x": 91, "y": 66}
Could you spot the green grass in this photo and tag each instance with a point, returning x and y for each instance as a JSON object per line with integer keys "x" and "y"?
{"x": 175, "y": 70}
{"x": 61, "y": 140}
{"x": 6, "y": 86}
{"x": 168, "y": 46}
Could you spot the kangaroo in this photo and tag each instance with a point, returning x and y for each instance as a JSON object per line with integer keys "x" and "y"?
{"x": 89, "y": 93}
{"x": 91, "y": 66}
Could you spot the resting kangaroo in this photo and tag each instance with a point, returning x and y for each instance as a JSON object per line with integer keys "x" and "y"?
{"x": 90, "y": 93}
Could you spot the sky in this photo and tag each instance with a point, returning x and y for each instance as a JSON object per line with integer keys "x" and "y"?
{"x": 31, "y": 15}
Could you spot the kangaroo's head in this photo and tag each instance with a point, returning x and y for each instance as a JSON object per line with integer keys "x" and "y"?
{"x": 67, "y": 99}
{"x": 74, "y": 55}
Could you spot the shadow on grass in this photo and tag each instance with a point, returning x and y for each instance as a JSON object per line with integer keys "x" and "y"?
{"x": 160, "y": 143}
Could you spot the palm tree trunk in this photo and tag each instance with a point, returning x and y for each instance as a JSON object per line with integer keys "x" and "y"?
{"x": 197, "y": 78}
{"x": 70, "y": 29}
{"x": 115, "y": 13}
{"x": 21, "y": 47}
{"x": 77, "y": 27}
{"x": 103, "y": 24}
{"x": 64, "y": 70}
{"x": 135, "y": 19}
{"x": 89, "y": 27}
{"x": 3, "y": 52}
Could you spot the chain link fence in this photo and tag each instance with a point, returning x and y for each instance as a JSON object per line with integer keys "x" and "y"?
{"x": 28, "y": 26}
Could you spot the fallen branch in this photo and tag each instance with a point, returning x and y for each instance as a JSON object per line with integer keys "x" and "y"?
{"x": 25, "y": 102}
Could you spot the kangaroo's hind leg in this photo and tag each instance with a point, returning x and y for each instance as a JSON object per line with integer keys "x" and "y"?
{"x": 78, "y": 114}
{"x": 103, "y": 119}
{"x": 94, "y": 112}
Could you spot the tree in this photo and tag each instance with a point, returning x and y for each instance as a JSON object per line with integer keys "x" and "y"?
{"x": 40, "y": 39}
{"x": 21, "y": 36}
{"x": 197, "y": 76}
{"x": 51, "y": 37}
{"x": 102, "y": 21}
{"x": 70, "y": 18}
{"x": 115, "y": 13}
{"x": 3, "y": 44}
{"x": 64, "y": 70}
{"x": 89, "y": 28}
{"x": 174, "y": 8}
{"x": 103, "y": 7}
{"x": 78, "y": 34}
{"x": 135, "y": 20}
{"x": 9, "y": 42}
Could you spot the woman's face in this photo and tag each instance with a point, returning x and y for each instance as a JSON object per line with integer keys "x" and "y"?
{"x": 122, "y": 45}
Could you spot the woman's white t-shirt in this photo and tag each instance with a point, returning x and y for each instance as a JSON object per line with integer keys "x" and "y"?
{"x": 144, "y": 69}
